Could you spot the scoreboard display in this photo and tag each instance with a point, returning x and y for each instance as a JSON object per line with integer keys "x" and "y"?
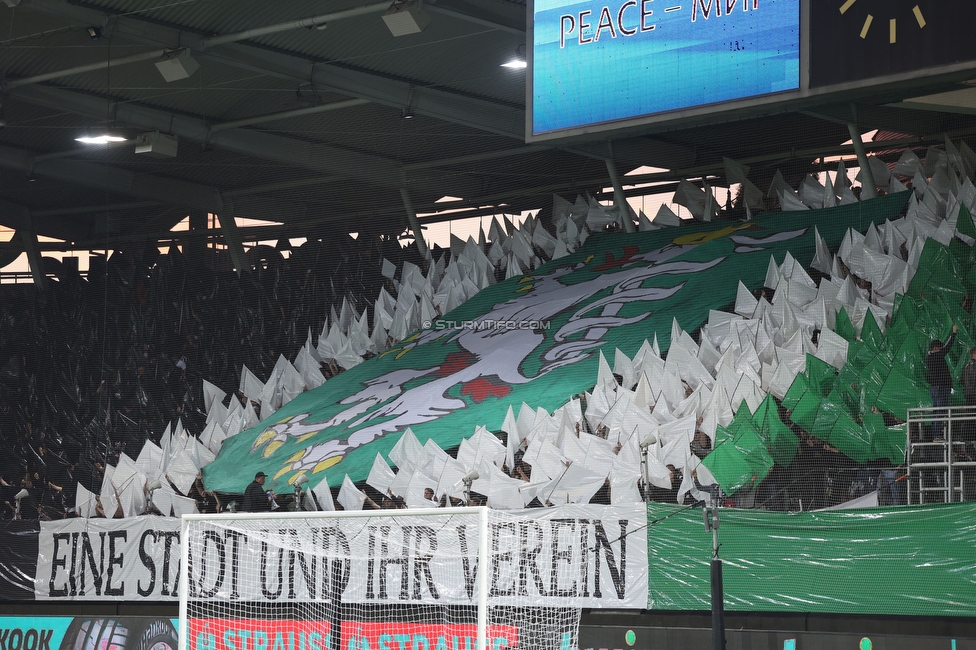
{"x": 878, "y": 38}
{"x": 603, "y": 62}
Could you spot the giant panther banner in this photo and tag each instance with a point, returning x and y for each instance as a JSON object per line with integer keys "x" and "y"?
{"x": 533, "y": 339}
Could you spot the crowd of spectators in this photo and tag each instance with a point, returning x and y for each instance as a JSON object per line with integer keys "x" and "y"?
{"x": 819, "y": 476}
{"x": 93, "y": 366}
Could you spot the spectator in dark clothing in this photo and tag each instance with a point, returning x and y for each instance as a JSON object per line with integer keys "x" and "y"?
{"x": 969, "y": 426}
{"x": 969, "y": 379}
{"x": 255, "y": 498}
{"x": 940, "y": 380}
{"x": 207, "y": 501}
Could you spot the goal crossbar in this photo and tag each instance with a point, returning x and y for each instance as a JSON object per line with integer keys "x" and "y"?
{"x": 481, "y": 514}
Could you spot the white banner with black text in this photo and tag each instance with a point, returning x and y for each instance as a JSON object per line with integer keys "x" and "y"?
{"x": 575, "y": 555}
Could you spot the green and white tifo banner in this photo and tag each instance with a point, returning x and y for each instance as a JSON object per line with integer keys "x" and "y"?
{"x": 533, "y": 339}
{"x": 905, "y": 561}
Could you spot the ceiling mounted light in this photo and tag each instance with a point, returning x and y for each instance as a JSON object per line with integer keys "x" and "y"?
{"x": 518, "y": 61}
{"x": 156, "y": 144}
{"x": 177, "y": 65}
{"x": 404, "y": 18}
{"x": 100, "y": 137}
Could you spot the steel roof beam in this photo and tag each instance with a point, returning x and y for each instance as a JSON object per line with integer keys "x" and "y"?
{"x": 494, "y": 117}
{"x": 284, "y": 115}
{"x": 318, "y": 157}
{"x": 476, "y": 157}
{"x": 228, "y": 224}
{"x": 458, "y": 108}
{"x": 91, "y": 209}
{"x": 477, "y": 20}
{"x": 18, "y": 214}
{"x": 302, "y": 23}
{"x": 251, "y": 190}
{"x": 477, "y": 113}
{"x": 146, "y": 186}
{"x": 114, "y": 179}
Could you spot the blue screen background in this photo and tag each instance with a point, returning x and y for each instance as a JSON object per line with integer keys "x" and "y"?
{"x": 679, "y": 64}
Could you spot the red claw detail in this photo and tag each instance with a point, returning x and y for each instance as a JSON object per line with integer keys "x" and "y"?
{"x": 481, "y": 389}
{"x": 611, "y": 263}
{"x": 455, "y": 362}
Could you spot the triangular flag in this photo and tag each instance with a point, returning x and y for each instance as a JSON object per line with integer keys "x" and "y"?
{"x": 350, "y": 497}
{"x": 380, "y": 475}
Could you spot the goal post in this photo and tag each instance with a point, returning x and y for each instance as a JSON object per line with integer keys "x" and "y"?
{"x": 366, "y": 580}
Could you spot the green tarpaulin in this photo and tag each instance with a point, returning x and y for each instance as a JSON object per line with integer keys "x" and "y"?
{"x": 916, "y": 561}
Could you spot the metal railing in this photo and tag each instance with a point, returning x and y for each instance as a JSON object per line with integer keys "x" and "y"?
{"x": 26, "y": 277}
{"x": 940, "y": 454}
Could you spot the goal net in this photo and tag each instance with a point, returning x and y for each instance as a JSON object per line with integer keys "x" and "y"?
{"x": 370, "y": 580}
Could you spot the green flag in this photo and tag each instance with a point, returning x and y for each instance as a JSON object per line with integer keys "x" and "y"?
{"x": 532, "y": 339}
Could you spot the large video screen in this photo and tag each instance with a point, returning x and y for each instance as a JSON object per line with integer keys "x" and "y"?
{"x": 600, "y": 61}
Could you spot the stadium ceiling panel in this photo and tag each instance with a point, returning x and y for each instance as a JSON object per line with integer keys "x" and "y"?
{"x": 297, "y": 111}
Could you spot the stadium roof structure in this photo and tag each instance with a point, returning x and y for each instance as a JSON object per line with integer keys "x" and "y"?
{"x": 296, "y": 113}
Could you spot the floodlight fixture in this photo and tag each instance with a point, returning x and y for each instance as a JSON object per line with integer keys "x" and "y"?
{"x": 94, "y": 31}
{"x": 645, "y": 443}
{"x": 100, "y": 138}
{"x": 300, "y": 481}
{"x": 648, "y": 440}
{"x": 403, "y": 18}
{"x": 150, "y": 489}
{"x": 176, "y": 65}
{"x": 517, "y": 62}
{"x": 406, "y": 112}
{"x": 468, "y": 479}
{"x": 156, "y": 144}
{"x": 17, "y": 499}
